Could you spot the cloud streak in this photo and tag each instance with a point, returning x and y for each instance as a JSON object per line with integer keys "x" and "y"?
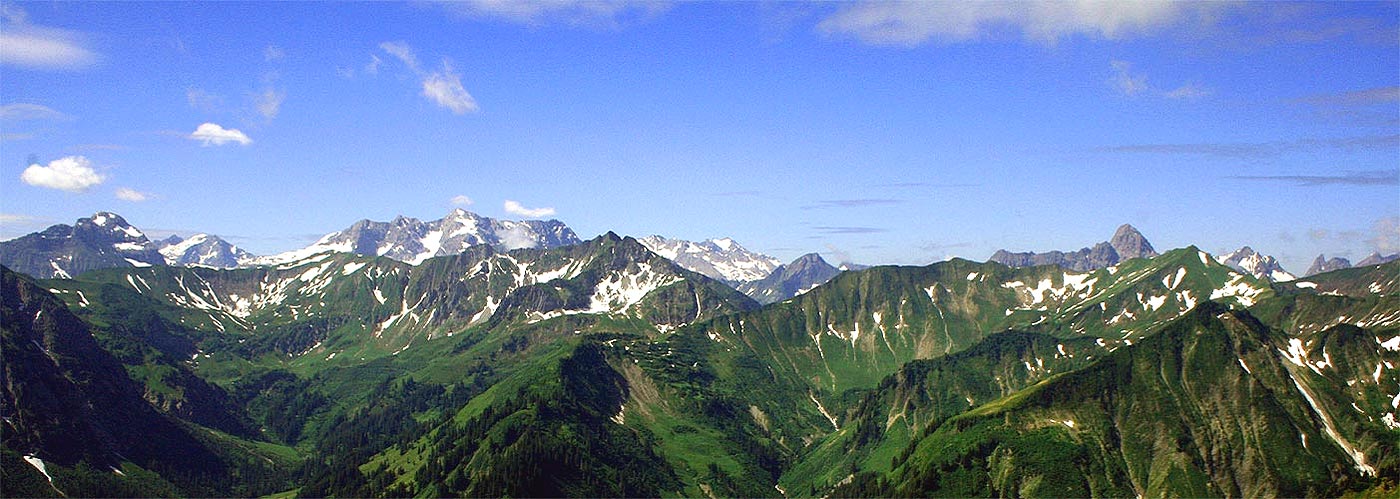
{"x": 72, "y": 174}
{"x": 1366, "y": 178}
{"x": 851, "y": 203}
{"x": 912, "y": 23}
{"x": 515, "y": 208}
{"x": 132, "y": 195}
{"x": 41, "y": 48}
{"x": 1260, "y": 149}
{"x": 30, "y": 112}
{"x": 595, "y": 13}
{"x": 830, "y": 230}
{"x": 1366, "y": 97}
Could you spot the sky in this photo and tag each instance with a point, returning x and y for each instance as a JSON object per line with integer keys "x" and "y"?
{"x": 883, "y": 132}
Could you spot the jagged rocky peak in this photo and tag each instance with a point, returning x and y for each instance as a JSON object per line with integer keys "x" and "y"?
{"x": 1129, "y": 243}
{"x": 1323, "y": 264}
{"x": 1376, "y": 258}
{"x": 1259, "y": 265}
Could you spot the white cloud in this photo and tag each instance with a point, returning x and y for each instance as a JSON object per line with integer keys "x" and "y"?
{"x": 516, "y": 237}
{"x": 129, "y": 194}
{"x": 269, "y": 102}
{"x": 402, "y": 51}
{"x": 42, "y": 48}
{"x": 445, "y": 89}
{"x": 71, "y": 173}
{"x": 912, "y": 23}
{"x": 515, "y": 208}
{"x": 273, "y": 53}
{"x": 1124, "y": 81}
{"x": 1187, "y": 91}
{"x": 210, "y": 134}
{"x": 23, "y": 112}
{"x": 462, "y": 200}
{"x": 601, "y": 13}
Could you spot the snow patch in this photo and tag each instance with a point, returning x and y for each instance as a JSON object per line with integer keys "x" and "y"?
{"x": 137, "y": 263}
{"x": 38, "y": 464}
{"x": 352, "y": 267}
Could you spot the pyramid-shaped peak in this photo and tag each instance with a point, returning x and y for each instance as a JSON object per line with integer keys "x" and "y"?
{"x": 1129, "y": 243}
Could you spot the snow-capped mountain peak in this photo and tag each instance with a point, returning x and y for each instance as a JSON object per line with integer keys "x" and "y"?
{"x": 721, "y": 258}
{"x": 414, "y": 241}
{"x": 203, "y": 250}
{"x": 1258, "y": 265}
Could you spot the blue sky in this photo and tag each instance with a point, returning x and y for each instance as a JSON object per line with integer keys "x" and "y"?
{"x": 877, "y": 132}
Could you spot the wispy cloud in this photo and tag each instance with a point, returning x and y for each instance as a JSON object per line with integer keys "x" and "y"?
{"x": 28, "y": 112}
{"x": 1386, "y": 235}
{"x": 14, "y": 225}
{"x": 21, "y": 219}
{"x": 41, "y": 48}
{"x": 926, "y": 185}
{"x": 461, "y": 200}
{"x": 587, "y": 13}
{"x": 911, "y": 23}
{"x": 402, "y": 51}
{"x": 1365, "y": 178}
{"x": 1261, "y": 149}
{"x": 443, "y": 87}
{"x": 515, "y": 208}
{"x": 739, "y": 194}
{"x": 1369, "y": 96}
{"x": 851, "y": 203}
{"x": 1187, "y": 92}
{"x": 132, "y": 195}
{"x": 273, "y": 53}
{"x": 200, "y": 99}
{"x": 829, "y": 230}
{"x": 210, "y": 134}
{"x": 269, "y": 102}
{"x": 71, "y": 174}
{"x": 1125, "y": 81}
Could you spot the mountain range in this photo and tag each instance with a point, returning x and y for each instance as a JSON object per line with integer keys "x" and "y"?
{"x": 1125, "y": 244}
{"x": 603, "y": 368}
{"x": 115, "y": 243}
{"x": 1322, "y": 264}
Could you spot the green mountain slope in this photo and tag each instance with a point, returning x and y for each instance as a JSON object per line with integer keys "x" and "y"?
{"x": 1209, "y": 406}
{"x": 70, "y": 407}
